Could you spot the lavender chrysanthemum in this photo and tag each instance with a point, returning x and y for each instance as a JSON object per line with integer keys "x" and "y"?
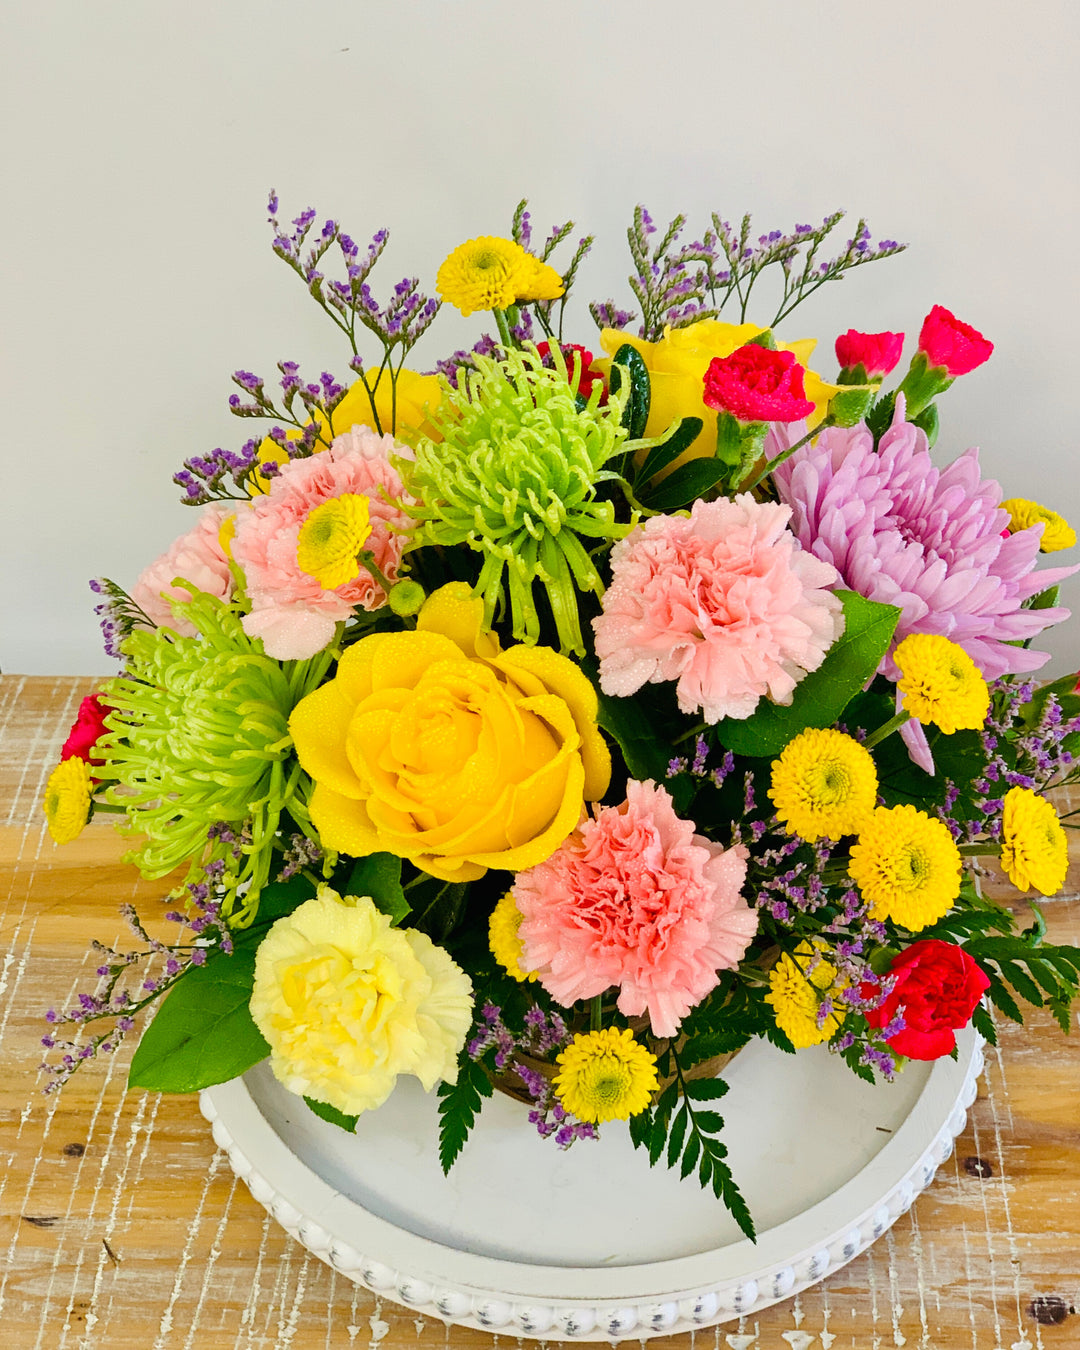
{"x": 927, "y": 540}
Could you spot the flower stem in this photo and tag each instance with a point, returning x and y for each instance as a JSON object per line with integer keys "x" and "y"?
{"x": 504, "y": 329}
{"x": 985, "y": 849}
{"x": 596, "y": 1013}
{"x": 745, "y": 486}
{"x": 887, "y": 729}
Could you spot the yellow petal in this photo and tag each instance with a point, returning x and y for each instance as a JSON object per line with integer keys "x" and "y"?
{"x": 319, "y": 725}
{"x": 343, "y": 823}
{"x": 456, "y": 613}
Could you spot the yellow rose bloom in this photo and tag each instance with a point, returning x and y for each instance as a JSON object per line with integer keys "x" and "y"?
{"x": 677, "y": 366}
{"x": 1034, "y": 850}
{"x": 416, "y": 396}
{"x": 346, "y": 1003}
{"x": 795, "y": 996}
{"x": 1057, "y": 532}
{"x": 67, "y": 799}
{"x": 436, "y": 746}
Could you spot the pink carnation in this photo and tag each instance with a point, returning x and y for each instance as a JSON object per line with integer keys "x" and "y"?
{"x": 290, "y": 610}
{"x": 198, "y": 558}
{"x": 635, "y": 898}
{"x": 724, "y": 602}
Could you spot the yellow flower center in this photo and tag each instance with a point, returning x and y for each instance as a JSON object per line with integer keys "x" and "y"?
{"x": 330, "y": 540}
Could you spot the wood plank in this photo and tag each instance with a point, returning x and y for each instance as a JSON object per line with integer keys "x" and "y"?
{"x": 121, "y": 1225}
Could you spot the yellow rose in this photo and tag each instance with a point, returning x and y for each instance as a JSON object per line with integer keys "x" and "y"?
{"x": 438, "y": 747}
{"x": 347, "y": 1003}
{"x": 416, "y": 396}
{"x": 677, "y": 366}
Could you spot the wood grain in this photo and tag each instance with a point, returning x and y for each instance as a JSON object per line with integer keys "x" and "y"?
{"x": 121, "y": 1225}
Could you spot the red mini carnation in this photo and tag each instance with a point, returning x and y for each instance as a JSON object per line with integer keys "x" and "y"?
{"x": 938, "y": 987}
{"x": 948, "y": 342}
{"x": 86, "y": 730}
{"x": 755, "y": 384}
{"x": 877, "y": 353}
{"x": 589, "y": 377}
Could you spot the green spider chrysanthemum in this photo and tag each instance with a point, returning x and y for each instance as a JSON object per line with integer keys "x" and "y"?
{"x": 515, "y": 478}
{"x": 198, "y": 738}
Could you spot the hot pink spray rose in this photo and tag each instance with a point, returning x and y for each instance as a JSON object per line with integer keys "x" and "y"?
{"x": 635, "y": 899}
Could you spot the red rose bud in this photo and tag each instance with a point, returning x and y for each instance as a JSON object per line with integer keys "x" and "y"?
{"x": 755, "y": 384}
{"x": 588, "y": 378}
{"x": 87, "y": 729}
{"x": 952, "y": 345}
{"x": 876, "y": 353}
{"x": 938, "y": 987}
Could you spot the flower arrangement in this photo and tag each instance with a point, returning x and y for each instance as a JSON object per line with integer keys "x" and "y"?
{"x": 566, "y": 722}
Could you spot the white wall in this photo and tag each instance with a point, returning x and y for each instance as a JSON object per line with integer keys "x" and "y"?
{"x": 140, "y": 139}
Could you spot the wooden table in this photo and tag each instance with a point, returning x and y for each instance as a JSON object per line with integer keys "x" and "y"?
{"x": 122, "y": 1226}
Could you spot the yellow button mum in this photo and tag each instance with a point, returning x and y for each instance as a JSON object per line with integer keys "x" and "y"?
{"x": 1057, "y": 532}
{"x": 796, "y": 986}
{"x": 605, "y": 1075}
{"x": 436, "y": 746}
{"x": 940, "y": 684}
{"x": 331, "y": 537}
{"x": 1034, "y": 850}
{"x": 493, "y": 273}
{"x": 907, "y": 865}
{"x": 677, "y": 366}
{"x": 506, "y": 946}
{"x": 347, "y": 1003}
{"x": 67, "y": 799}
{"x": 824, "y": 783}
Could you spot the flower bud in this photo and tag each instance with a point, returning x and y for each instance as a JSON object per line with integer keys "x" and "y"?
{"x": 407, "y": 598}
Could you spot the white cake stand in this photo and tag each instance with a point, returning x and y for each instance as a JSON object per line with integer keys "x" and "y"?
{"x": 590, "y": 1244}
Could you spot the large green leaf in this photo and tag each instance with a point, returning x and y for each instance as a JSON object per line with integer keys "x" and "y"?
{"x": 678, "y": 438}
{"x": 823, "y": 695}
{"x": 203, "y": 1032}
{"x": 629, "y": 363}
{"x": 379, "y": 876}
{"x": 689, "y": 482}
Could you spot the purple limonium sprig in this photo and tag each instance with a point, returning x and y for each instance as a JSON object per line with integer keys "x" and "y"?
{"x": 118, "y": 615}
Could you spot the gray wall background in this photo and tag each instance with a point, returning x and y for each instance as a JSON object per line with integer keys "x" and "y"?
{"x": 140, "y": 140}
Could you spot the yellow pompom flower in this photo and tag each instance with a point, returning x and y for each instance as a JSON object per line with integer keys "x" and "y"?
{"x": 346, "y": 1003}
{"x": 605, "y": 1075}
{"x": 331, "y": 537}
{"x": 940, "y": 684}
{"x": 824, "y": 783}
{"x": 1057, "y": 532}
{"x": 1034, "y": 850}
{"x": 907, "y": 865}
{"x": 796, "y": 986}
{"x": 503, "y": 938}
{"x": 67, "y": 799}
{"x": 493, "y": 273}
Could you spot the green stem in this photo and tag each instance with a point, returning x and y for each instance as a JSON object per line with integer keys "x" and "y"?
{"x": 887, "y": 729}
{"x": 367, "y": 559}
{"x": 980, "y": 850}
{"x": 745, "y": 486}
{"x": 504, "y": 329}
{"x": 596, "y": 1013}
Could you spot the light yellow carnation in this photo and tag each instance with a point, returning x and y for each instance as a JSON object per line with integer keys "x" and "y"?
{"x": 677, "y": 366}
{"x": 346, "y": 1003}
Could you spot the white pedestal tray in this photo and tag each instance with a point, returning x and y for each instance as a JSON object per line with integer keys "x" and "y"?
{"x": 590, "y": 1244}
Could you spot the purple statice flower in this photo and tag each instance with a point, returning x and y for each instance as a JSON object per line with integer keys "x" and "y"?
{"x": 928, "y": 540}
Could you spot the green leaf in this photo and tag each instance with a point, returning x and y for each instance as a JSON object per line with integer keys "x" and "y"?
{"x": 705, "y": 1089}
{"x": 330, "y": 1113}
{"x": 1046, "y": 600}
{"x": 984, "y": 1025}
{"x": 678, "y": 438}
{"x": 636, "y": 412}
{"x": 1002, "y": 999}
{"x": 709, "y": 1122}
{"x": 640, "y": 1124}
{"x": 275, "y": 902}
{"x": 824, "y": 694}
{"x": 459, "y": 1104}
{"x": 677, "y": 1135}
{"x": 710, "y": 1045}
{"x": 438, "y": 907}
{"x": 689, "y": 482}
{"x": 690, "y": 1156}
{"x": 203, "y": 1032}
{"x": 379, "y": 876}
